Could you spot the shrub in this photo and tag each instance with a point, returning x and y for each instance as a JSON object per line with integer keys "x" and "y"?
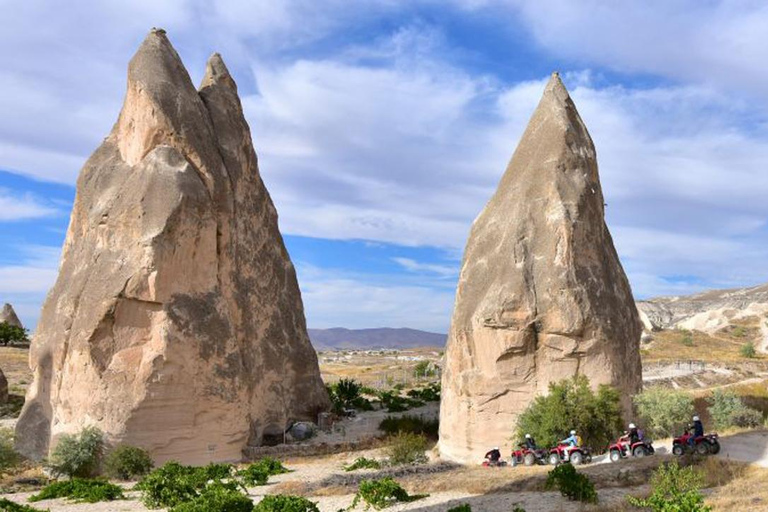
{"x": 258, "y": 473}
{"x": 464, "y": 507}
{"x": 739, "y": 331}
{"x": 79, "y": 489}
{"x": 172, "y": 483}
{"x": 363, "y": 463}
{"x": 285, "y": 503}
{"x": 674, "y": 489}
{"x": 405, "y": 448}
{"x": 128, "y": 462}
{"x": 571, "y": 404}
{"x": 424, "y": 369}
{"x": 430, "y": 393}
{"x": 748, "y": 350}
{"x": 8, "y": 456}
{"x": 12, "y": 334}
{"x": 347, "y": 394}
{"x": 217, "y": 497}
{"x": 9, "y": 506}
{"x": 665, "y": 411}
{"x": 572, "y": 484}
{"x": 411, "y": 424}
{"x": 393, "y": 402}
{"x": 728, "y": 410}
{"x": 382, "y": 493}
{"x": 78, "y": 455}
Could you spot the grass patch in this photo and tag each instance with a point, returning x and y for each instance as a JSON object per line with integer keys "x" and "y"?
{"x": 9, "y": 506}
{"x": 410, "y": 424}
{"x": 81, "y": 490}
{"x": 363, "y": 463}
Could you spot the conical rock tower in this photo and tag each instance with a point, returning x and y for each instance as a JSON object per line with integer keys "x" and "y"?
{"x": 8, "y": 315}
{"x": 176, "y": 323}
{"x": 541, "y": 295}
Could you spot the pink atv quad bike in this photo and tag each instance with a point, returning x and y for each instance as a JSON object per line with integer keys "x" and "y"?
{"x": 576, "y": 455}
{"x": 621, "y": 449}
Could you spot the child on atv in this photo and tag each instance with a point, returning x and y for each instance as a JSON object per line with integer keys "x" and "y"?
{"x": 573, "y": 441}
{"x": 493, "y": 456}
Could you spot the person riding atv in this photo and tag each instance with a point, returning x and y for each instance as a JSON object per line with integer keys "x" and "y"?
{"x": 698, "y": 430}
{"x": 493, "y": 457}
{"x": 571, "y": 442}
{"x": 530, "y": 442}
{"x": 633, "y": 434}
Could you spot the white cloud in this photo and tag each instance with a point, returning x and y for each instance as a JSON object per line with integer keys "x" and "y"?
{"x": 22, "y": 207}
{"x": 416, "y": 266}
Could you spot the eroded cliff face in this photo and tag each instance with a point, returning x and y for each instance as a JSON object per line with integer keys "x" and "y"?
{"x": 541, "y": 294}
{"x": 176, "y": 323}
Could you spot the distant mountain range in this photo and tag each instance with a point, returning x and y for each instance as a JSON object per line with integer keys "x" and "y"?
{"x": 340, "y": 338}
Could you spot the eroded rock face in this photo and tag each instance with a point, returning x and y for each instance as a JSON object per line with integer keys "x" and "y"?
{"x": 541, "y": 294}
{"x": 3, "y": 388}
{"x": 8, "y": 315}
{"x": 176, "y": 323}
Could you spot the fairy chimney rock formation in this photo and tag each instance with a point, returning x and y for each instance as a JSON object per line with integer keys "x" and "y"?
{"x": 8, "y": 315}
{"x": 176, "y": 323}
{"x": 541, "y": 295}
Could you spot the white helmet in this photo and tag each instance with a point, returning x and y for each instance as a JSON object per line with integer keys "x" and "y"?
{"x": 527, "y": 436}
{"x": 695, "y": 418}
{"x": 632, "y": 425}
{"x": 573, "y": 432}
{"x": 495, "y": 447}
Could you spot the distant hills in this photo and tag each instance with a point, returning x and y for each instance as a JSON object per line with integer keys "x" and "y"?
{"x": 340, "y": 338}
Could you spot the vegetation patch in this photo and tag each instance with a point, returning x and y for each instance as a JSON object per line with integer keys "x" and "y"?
{"x": 406, "y": 448}
{"x": 728, "y": 410}
{"x": 79, "y": 489}
{"x": 382, "y": 493}
{"x": 571, "y": 404}
{"x": 12, "y": 334}
{"x": 217, "y": 497}
{"x": 748, "y": 350}
{"x": 128, "y": 462}
{"x": 258, "y": 473}
{"x": 347, "y": 394}
{"x": 674, "y": 489}
{"x": 173, "y": 484}
{"x": 572, "y": 484}
{"x": 78, "y": 455}
{"x": 363, "y": 463}
{"x": 9, "y": 506}
{"x": 664, "y": 411}
{"x": 392, "y": 401}
{"x": 285, "y": 503}
{"x": 9, "y": 459}
{"x": 411, "y": 424}
{"x": 429, "y": 393}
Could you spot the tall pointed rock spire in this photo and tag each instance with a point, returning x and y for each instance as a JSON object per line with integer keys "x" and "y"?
{"x": 542, "y": 295}
{"x": 176, "y": 323}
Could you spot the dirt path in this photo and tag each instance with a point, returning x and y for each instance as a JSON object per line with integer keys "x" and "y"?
{"x": 750, "y": 447}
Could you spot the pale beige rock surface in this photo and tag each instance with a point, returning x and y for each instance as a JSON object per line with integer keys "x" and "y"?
{"x": 176, "y": 323}
{"x": 8, "y": 315}
{"x": 541, "y": 294}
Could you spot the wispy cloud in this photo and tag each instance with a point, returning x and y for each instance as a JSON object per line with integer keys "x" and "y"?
{"x": 25, "y": 206}
{"x": 415, "y": 266}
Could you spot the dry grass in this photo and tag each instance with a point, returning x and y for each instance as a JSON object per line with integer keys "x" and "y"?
{"x": 722, "y": 347}
{"x": 737, "y": 487}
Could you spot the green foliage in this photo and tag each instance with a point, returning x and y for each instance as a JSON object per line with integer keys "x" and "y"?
{"x": 411, "y": 424}
{"x": 382, "y": 493}
{"x": 347, "y": 394}
{"x": 217, "y": 497}
{"x": 128, "y": 462}
{"x": 748, "y": 350}
{"x": 686, "y": 337}
{"x": 665, "y": 411}
{"x": 9, "y": 506}
{"x": 363, "y": 463}
{"x": 572, "y": 484}
{"x": 728, "y": 410}
{"x": 259, "y": 472}
{"x": 674, "y": 489}
{"x": 430, "y": 393}
{"x": 12, "y": 334}
{"x": 79, "y": 489}
{"x": 424, "y": 369}
{"x": 571, "y": 404}
{"x": 464, "y": 507}
{"x": 406, "y": 448}
{"x": 285, "y": 503}
{"x": 8, "y": 456}
{"x": 393, "y": 402}
{"x": 172, "y": 483}
{"x": 739, "y": 331}
{"x": 78, "y": 455}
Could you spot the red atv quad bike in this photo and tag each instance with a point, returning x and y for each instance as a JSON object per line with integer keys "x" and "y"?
{"x": 621, "y": 449}
{"x": 576, "y": 455}
{"x": 703, "y": 445}
{"x": 529, "y": 457}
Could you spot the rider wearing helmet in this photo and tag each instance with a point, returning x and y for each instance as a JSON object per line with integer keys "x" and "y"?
{"x": 698, "y": 430}
{"x": 633, "y": 434}
{"x": 530, "y": 442}
{"x": 494, "y": 455}
{"x": 572, "y": 441}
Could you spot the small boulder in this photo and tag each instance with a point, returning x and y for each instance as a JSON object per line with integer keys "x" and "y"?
{"x": 302, "y": 430}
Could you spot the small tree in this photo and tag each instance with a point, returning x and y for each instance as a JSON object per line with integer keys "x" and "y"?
{"x": 127, "y": 462}
{"x": 728, "y": 410}
{"x": 665, "y": 411}
{"x": 423, "y": 369}
{"x": 674, "y": 489}
{"x": 748, "y": 350}
{"x": 571, "y": 404}
{"x": 78, "y": 455}
{"x": 12, "y": 334}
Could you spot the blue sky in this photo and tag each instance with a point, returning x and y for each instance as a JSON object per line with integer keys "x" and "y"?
{"x": 383, "y": 126}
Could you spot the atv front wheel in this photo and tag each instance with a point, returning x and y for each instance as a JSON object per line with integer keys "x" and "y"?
{"x": 554, "y": 459}
{"x": 615, "y": 456}
{"x": 576, "y": 458}
{"x": 677, "y": 450}
{"x": 513, "y": 461}
{"x": 529, "y": 459}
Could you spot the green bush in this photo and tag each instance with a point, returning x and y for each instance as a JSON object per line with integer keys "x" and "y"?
{"x": 347, "y": 394}
{"x": 748, "y": 350}
{"x": 665, "y": 411}
{"x": 127, "y": 463}
{"x": 173, "y": 484}
{"x": 258, "y": 473}
{"x": 430, "y": 393}
{"x": 728, "y": 410}
{"x": 79, "y": 489}
{"x": 285, "y": 503}
{"x": 382, "y": 493}
{"x": 572, "y": 484}
{"x": 393, "y": 402}
{"x": 464, "y": 507}
{"x": 9, "y": 506}
{"x": 411, "y": 424}
{"x": 424, "y": 369}
{"x": 739, "y": 331}
{"x": 571, "y": 404}
{"x": 12, "y": 334}
{"x": 78, "y": 455}
{"x": 406, "y": 448}
{"x": 217, "y": 497}
{"x": 8, "y": 456}
{"x": 674, "y": 489}
{"x": 363, "y": 463}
